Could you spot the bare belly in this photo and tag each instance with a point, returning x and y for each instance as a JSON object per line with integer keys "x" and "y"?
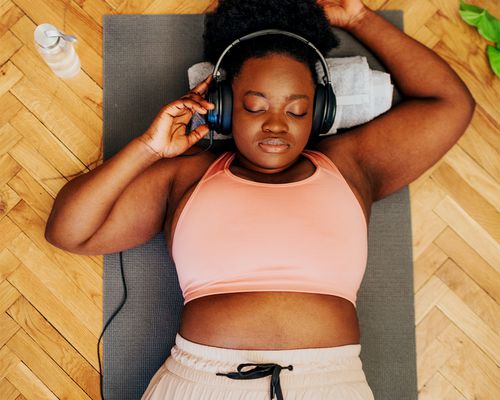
{"x": 270, "y": 321}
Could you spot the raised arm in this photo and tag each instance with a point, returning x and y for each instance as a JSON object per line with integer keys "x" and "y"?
{"x": 417, "y": 70}
{"x": 398, "y": 146}
{"x": 123, "y": 202}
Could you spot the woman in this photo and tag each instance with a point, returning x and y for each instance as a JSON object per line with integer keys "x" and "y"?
{"x": 291, "y": 223}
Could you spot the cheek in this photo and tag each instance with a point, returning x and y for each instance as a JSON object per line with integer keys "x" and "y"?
{"x": 305, "y": 124}
{"x": 242, "y": 116}
{"x": 243, "y": 125}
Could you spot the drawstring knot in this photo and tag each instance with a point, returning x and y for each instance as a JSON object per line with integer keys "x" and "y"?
{"x": 260, "y": 371}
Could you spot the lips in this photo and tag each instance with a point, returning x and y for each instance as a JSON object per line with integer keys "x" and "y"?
{"x": 280, "y": 147}
{"x": 274, "y": 141}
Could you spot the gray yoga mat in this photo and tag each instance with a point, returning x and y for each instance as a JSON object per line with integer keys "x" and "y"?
{"x": 146, "y": 58}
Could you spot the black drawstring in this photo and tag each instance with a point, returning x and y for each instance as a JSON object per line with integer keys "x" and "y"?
{"x": 260, "y": 371}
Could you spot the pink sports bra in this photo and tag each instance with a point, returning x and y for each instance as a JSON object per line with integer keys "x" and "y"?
{"x": 237, "y": 235}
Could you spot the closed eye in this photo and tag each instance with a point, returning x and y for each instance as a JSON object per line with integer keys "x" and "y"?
{"x": 295, "y": 115}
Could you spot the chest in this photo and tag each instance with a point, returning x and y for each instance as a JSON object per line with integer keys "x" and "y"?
{"x": 186, "y": 182}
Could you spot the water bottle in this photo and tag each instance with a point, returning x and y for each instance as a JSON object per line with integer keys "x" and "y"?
{"x": 56, "y": 48}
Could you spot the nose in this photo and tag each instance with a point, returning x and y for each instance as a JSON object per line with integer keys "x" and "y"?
{"x": 275, "y": 123}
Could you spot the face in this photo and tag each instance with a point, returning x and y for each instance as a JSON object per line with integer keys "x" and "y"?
{"x": 272, "y": 97}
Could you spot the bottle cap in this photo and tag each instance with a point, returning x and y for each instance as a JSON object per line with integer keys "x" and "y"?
{"x": 42, "y": 39}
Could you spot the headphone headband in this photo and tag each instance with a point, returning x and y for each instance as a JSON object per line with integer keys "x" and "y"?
{"x": 220, "y": 93}
{"x": 326, "y": 77}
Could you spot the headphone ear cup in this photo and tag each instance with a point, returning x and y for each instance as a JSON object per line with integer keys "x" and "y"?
{"x": 213, "y": 116}
{"x": 319, "y": 111}
{"x": 226, "y": 109}
{"x": 330, "y": 109}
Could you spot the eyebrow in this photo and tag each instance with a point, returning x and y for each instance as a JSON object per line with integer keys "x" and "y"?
{"x": 291, "y": 97}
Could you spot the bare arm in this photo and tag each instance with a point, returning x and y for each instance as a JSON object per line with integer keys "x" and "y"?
{"x": 84, "y": 203}
{"x": 418, "y": 71}
{"x": 398, "y": 146}
{"x": 123, "y": 202}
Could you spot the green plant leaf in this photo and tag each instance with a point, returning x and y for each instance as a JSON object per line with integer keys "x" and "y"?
{"x": 487, "y": 25}
{"x": 494, "y": 58}
{"x": 469, "y": 7}
{"x": 470, "y": 13}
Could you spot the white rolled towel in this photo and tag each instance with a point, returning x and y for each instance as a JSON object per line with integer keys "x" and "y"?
{"x": 362, "y": 93}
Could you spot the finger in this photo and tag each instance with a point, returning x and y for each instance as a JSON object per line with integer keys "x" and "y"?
{"x": 199, "y": 99}
{"x": 203, "y": 85}
{"x": 191, "y": 102}
{"x": 193, "y": 105}
{"x": 181, "y": 106}
{"x": 196, "y": 134}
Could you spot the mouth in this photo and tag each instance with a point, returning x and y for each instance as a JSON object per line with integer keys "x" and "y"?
{"x": 274, "y": 145}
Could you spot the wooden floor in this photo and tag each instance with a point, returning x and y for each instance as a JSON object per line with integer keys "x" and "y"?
{"x": 51, "y": 301}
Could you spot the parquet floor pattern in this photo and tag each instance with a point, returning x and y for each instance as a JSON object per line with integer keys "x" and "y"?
{"x": 51, "y": 300}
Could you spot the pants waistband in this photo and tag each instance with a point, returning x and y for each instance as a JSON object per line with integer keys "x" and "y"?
{"x": 304, "y": 360}
{"x": 314, "y": 367}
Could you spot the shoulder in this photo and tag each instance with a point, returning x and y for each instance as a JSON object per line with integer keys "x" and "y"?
{"x": 199, "y": 160}
{"x": 189, "y": 170}
{"x": 180, "y": 172}
{"x": 341, "y": 149}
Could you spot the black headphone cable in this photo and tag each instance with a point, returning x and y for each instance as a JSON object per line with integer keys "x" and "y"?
{"x": 110, "y": 319}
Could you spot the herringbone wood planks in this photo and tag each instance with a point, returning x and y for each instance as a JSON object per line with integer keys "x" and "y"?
{"x": 51, "y": 130}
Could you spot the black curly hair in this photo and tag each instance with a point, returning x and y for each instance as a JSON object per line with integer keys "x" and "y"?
{"x": 235, "y": 18}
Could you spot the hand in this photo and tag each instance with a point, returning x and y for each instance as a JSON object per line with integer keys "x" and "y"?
{"x": 166, "y": 136}
{"x": 343, "y": 13}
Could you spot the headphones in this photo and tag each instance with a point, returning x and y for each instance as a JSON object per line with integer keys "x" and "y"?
{"x": 221, "y": 95}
